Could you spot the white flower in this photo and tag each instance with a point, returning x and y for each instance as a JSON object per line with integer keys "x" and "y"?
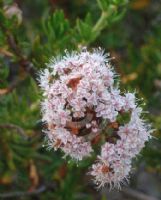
{"x": 129, "y": 101}
{"x": 82, "y": 104}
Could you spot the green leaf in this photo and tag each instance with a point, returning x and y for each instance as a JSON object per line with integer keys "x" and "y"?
{"x": 84, "y": 28}
{"x": 56, "y": 26}
{"x": 103, "y": 4}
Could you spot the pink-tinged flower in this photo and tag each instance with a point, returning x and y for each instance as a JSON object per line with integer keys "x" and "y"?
{"x": 82, "y": 106}
{"x": 112, "y": 175}
{"x": 129, "y": 101}
{"x": 74, "y": 146}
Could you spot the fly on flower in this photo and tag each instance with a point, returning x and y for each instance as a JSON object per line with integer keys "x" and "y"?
{"x": 81, "y": 106}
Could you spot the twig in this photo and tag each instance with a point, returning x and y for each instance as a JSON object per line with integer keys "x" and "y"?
{"x": 11, "y": 87}
{"x": 137, "y": 195}
{"x": 5, "y": 52}
{"x": 27, "y": 193}
{"x": 22, "y": 60}
{"x": 13, "y": 126}
{"x": 103, "y": 21}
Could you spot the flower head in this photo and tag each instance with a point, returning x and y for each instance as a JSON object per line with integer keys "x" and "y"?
{"x": 82, "y": 105}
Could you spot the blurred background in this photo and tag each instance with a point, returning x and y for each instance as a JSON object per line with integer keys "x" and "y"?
{"x": 31, "y": 32}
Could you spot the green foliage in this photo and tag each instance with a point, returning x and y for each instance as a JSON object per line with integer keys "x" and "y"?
{"x": 84, "y": 29}
{"x": 132, "y": 36}
{"x": 57, "y": 30}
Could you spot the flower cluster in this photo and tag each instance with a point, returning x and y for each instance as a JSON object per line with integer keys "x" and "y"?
{"x": 83, "y": 107}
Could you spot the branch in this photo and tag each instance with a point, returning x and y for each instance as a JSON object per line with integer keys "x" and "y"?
{"x": 103, "y": 20}
{"x": 109, "y": 11}
{"x": 13, "y": 126}
{"x": 47, "y": 186}
{"x": 41, "y": 189}
{"x": 5, "y": 52}
{"x": 22, "y": 60}
{"x": 137, "y": 195}
{"x": 11, "y": 87}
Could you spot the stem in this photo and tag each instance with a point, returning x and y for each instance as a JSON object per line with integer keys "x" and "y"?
{"x": 13, "y": 126}
{"x": 16, "y": 49}
{"x": 103, "y": 21}
{"x": 44, "y": 188}
{"x": 20, "y": 194}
